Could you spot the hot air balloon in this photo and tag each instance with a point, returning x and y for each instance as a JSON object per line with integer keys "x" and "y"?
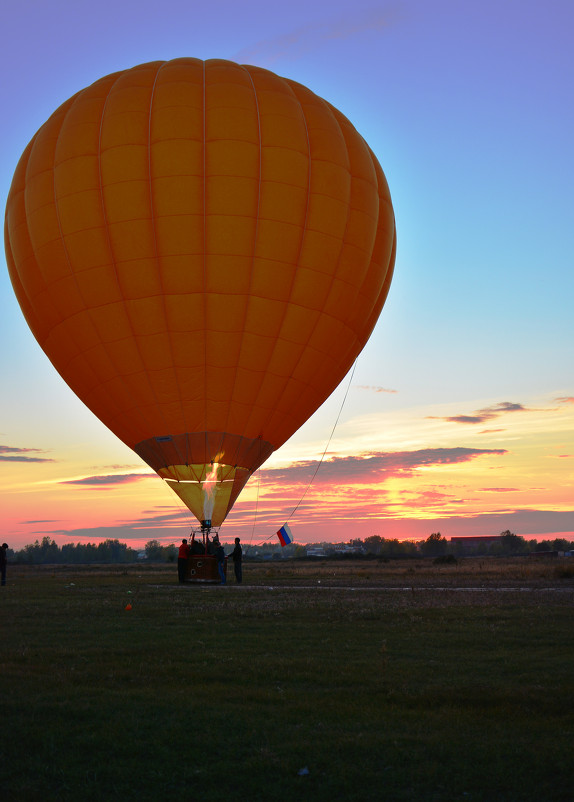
{"x": 202, "y": 249}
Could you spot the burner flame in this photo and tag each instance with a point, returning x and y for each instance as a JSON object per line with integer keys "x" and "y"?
{"x": 209, "y": 486}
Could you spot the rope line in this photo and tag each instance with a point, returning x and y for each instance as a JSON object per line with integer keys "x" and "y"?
{"x": 294, "y": 510}
{"x": 256, "y": 510}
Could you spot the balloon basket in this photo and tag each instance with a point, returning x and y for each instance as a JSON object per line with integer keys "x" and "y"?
{"x": 202, "y": 569}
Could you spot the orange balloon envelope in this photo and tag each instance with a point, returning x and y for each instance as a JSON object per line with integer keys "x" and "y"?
{"x": 202, "y": 249}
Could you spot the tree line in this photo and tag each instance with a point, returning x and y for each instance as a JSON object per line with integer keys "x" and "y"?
{"x": 506, "y": 544}
{"x": 47, "y": 551}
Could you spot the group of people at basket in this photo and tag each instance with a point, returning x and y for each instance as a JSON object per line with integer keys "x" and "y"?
{"x": 214, "y": 548}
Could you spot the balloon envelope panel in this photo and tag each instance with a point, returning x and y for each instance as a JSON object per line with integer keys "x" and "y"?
{"x": 202, "y": 249}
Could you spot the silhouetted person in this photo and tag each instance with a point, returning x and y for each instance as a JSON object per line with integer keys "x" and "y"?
{"x": 182, "y": 560}
{"x": 237, "y": 555}
{"x": 3, "y": 561}
{"x": 220, "y": 557}
{"x": 195, "y": 547}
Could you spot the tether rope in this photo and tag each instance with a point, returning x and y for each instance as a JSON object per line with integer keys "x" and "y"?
{"x": 294, "y": 510}
{"x": 256, "y": 509}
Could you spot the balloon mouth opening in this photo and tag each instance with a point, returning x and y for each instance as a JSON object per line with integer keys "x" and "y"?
{"x": 208, "y": 490}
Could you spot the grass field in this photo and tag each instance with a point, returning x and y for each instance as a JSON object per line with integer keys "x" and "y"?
{"x": 318, "y": 681}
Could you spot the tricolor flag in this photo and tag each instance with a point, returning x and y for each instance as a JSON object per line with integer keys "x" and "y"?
{"x": 284, "y": 535}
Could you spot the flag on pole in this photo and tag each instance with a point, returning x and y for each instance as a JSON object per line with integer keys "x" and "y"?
{"x": 284, "y": 535}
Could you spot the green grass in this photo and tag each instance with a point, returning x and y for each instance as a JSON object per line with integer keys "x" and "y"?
{"x": 212, "y": 693}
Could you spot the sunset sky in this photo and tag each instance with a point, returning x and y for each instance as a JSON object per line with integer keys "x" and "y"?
{"x": 459, "y": 416}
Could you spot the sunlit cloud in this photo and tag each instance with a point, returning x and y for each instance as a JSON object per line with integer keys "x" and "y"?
{"x": 497, "y": 489}
{"x": 485, "y": 414}
{"x": 12, "y": 454}
{"x": 376, "y": 467}
{"x": 148, "y": 526}
{"x": 123, "y": 532}
{"x": 117, "y": 468}
{"x": 109, "y": 480}
{"x": 565, "y": 399}
{"x": 427, "y": 496}
{"x": 170, "y": 516}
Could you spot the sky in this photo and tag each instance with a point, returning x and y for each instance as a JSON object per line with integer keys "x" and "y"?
{"x": 459, "y": 416}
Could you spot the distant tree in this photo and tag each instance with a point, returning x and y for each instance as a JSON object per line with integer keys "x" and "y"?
{"x": 154, "y": 551}
{"x": 544, "y": 545}
{"x": 170, "y": 553}
{"x": 513, "y": 544}
{"x": 48, "y": 552}
{"x": 40, "y": 553}
{"x": 561, "y": 544}
{"x": 390, "y": 548}
{"x": 373, "y": 544}
{"x": 393, "y": 548}
{"x": 90, "y": 552}
{"x": 409, "y": 548}
{"x": 434, "y": 545}
{"x": 112, "y": 551}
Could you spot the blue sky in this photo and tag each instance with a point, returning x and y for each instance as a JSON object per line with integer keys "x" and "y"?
{"x": 469, "y": 109}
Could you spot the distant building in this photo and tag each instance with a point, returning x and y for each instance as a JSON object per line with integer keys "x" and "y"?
{"x": 470, "y": 545}
{"x": 345, "y": 548}
{"x": 316, "y": 552}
